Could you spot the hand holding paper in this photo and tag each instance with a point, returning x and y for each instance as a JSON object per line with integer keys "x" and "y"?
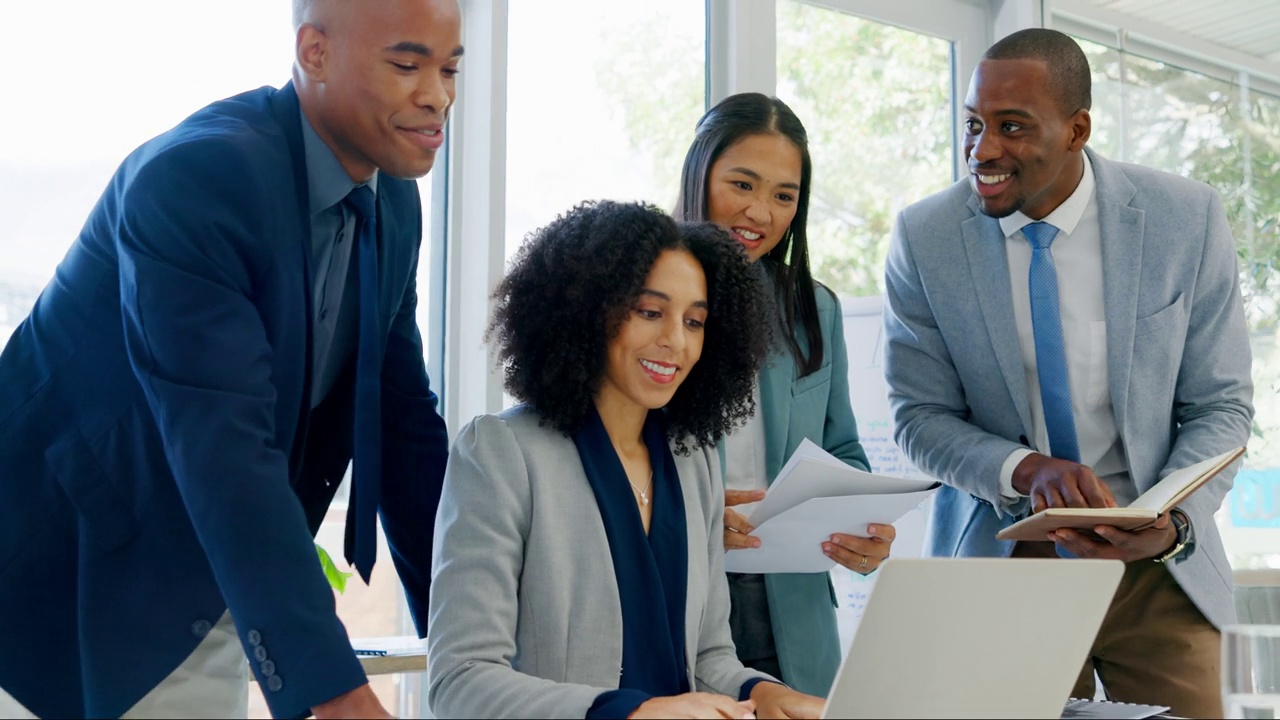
{"x": 814, "y": 496}
{"x": 862, "y": 555}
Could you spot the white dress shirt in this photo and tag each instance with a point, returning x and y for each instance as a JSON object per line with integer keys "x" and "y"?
{"x": 1077, "y": 254}
{"x": 744, "y": 462}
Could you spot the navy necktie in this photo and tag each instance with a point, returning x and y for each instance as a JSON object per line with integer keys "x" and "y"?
{"x": 1051, "y": 354}
{"x": 366, "y": 465}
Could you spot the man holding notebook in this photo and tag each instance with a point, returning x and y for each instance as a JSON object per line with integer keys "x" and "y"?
{"x": 1064, "y": 331}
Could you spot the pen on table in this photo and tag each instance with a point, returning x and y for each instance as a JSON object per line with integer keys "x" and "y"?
{"x": 370, "y": 653}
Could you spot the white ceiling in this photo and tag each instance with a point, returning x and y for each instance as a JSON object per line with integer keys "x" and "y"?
{"x": 1248, "y": 26}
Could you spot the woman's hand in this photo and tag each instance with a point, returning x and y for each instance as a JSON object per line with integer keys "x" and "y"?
{"x": 737, "y": 531}
{"x": 696, "y": 705}
{"x": 861, "y": 555}
{"x": 779, "y": 701}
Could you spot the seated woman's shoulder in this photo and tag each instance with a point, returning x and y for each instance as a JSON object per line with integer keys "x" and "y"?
{"x": 520, "y": 424}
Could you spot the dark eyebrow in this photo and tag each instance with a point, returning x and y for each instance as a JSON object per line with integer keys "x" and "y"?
{"x": 1008, "y": 111}
{"x": 419, "y": 49}
{"x": 663, "y": 296}
{"x": 756, "y": 176}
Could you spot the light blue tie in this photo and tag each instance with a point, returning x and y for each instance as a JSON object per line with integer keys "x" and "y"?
{"x": 1051, "y": 355}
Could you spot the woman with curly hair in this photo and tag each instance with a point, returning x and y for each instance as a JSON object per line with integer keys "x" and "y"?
{"x": 748, "y": 171}
{"x": 578, "y": 568}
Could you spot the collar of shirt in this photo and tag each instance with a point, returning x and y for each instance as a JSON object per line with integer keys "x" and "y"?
{"x": 327, "y": 182}
{"x": 1066, "y": 216}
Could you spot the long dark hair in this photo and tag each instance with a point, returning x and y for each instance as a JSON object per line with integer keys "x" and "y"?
{"x": 733, "y": 119}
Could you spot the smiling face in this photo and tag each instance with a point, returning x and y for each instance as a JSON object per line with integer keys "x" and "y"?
{"x": 752, "y": 191}
{"x": 660, "y": 341}
{"x": 377, "y": 79}
{"x": 1023, "y": 154}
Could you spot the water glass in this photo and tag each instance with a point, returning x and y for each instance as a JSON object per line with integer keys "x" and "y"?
{"x": 1251, "y": 671}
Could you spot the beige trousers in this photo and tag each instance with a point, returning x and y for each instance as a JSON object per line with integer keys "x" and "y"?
{"x": 1154, "y": 647}
{"x": 213, "y": 682}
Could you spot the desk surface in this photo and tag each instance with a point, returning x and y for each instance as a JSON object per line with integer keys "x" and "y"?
{"x": 404, "y": 653}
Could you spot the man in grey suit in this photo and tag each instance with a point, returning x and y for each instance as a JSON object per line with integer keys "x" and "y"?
{"x": 1063, "y": 330}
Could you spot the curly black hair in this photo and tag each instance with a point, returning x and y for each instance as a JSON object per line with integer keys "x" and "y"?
{"x": 574, "y": 283}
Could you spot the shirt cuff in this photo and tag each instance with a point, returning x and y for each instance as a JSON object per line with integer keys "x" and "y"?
{"x": 748, "y": 686}
{"x": 1007, "y": 493}
{"x": 616, "y": 704}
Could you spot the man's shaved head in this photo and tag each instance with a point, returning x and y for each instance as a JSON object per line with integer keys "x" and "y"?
{"x": 376, "y": 79}
{"x": 317, "y": 12}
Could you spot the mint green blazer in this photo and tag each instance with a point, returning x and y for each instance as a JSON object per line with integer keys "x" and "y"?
{"x": 802, "y": 605}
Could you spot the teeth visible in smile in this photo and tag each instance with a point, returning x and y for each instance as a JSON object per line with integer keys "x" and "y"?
{"x": 659, "y": 369}
{"x": 427, "y": 132}
{"x": 748, "y": 234}
{"x": 992, "y": 179}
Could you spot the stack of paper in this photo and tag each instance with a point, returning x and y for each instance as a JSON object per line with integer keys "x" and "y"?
{"x": 1077, "y": 709}
{"x": 814, "y": 496}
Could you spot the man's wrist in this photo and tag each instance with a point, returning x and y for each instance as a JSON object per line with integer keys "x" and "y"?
{"x": 1008, "y": 490}
{"x": 1183, "y": 539}
{"x": 1022, "y": 472}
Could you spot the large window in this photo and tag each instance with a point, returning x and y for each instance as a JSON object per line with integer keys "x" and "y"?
{"x": 1219, "y": 131}
{"x": 876, "y": 101}
{"x": 84, "y": 84}
{"x": 601, "y": 103}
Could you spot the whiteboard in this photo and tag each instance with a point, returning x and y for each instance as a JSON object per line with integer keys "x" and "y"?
{"x": 868, "y": 393}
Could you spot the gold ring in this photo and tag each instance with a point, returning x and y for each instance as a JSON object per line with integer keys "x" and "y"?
{"x": 863, "y": 565}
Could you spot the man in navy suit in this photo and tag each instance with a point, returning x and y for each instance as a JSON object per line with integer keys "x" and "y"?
{"x": 180, "y": 407}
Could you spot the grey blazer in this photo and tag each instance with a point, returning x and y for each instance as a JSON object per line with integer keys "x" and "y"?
{"x": 1177, "y": 356}
{"x": 525, "y": 617}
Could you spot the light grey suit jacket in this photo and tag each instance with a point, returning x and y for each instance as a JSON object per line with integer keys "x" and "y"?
{"x": 525, "y": 616}
{"x": 1177, "y": 356}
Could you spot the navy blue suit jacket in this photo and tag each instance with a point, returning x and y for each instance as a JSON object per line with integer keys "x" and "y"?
{"x": 159, "y": 459}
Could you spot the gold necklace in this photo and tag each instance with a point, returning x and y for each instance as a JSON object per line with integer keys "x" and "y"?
{"x": 644, "y": 494}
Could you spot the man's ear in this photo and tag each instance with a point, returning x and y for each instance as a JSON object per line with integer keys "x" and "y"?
{"x": 312, "y": 51}
{"x": 1081, "y": 126}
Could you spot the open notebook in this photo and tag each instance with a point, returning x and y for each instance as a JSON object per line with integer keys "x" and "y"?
{"x": 1161, "y": 498}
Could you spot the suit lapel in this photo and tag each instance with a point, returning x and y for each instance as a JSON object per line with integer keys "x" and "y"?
{"x": 288, "y": 114}
{"x": 388, "y": 230}
{"x": 989, "y": 266}
{"x": 1122, "y": 234}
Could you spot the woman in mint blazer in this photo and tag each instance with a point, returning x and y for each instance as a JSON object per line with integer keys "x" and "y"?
{"x": 748, "y": 170}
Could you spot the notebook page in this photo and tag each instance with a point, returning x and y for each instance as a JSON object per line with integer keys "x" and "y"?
{"x": 1162, "y": 492}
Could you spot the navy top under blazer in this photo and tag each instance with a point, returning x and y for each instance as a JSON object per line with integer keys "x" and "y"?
{"x": 651, "y": 571}
{"x": 160, "y": 460}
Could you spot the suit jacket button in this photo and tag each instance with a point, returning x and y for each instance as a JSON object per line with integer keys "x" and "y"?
{"x": 254, "y": 637}
{"x": 200, "y": 628}
{"x": 268, "y": 668}
{"x": 274, "y": 683}
{"x": 259, "y": 653}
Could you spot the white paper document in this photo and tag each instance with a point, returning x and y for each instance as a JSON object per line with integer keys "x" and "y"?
{"x": 814, "y": 496}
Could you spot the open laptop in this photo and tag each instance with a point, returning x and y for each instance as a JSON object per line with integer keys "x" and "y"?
{"x": 973, "y": 637}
